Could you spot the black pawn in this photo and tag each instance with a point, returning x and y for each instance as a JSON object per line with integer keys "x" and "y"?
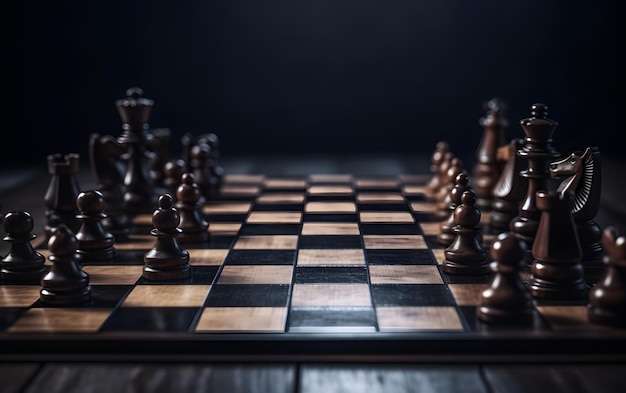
{"x": 507, "y": 300}
{"x": 95, "y": 243}
{"x": 446, "y": 233}
{"x": 466, "y": 255}
{"x": 172, "y": 173}
{"x": 167, "y": 260}
{"x": 60, "y": 197}
{"x": 65, "y": 283}
{"x": 607, "y": 299}
{"x": 22, "y": 263}
{"x": 189, "y": 203}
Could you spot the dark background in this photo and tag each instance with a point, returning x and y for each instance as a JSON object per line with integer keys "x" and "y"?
{"x": 315, "y": 77}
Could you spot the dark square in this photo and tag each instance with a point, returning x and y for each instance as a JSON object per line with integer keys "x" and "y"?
{"x": 400, "y": 257}
{"x": 226, "y": 217}
{"x": 412, "y": 295}
{"x": 390, "y": 229}
{"x": 331, "y": 316}
{"x": 161, "y": 319}
{"x": 8, "y": 316}
{"x": 200, "y": 275}
{"x": 415, "y": 198}
{"x": 347, "y": 275}
{"x": 127, "y": 257}
{"x": 330, "y": 217}
{"x": 254, "y": 295}
{"x": 103, "y": 296}
{"x": 260, "y": 257}
{"x": 383, "y": 207}
{"x": 423, "y": 217}
{"x": 278, "y": 207}
{"x": 270, "y": 229}
{"x": 218, "y": 241}
{"x": 465, "y": 279}
{"x": 471, "y": 321}
{"x": 330, "y": 241}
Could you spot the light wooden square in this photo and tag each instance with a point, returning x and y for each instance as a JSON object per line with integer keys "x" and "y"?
{"x": 423, "y": 207}
{"x": 394, "y": 241}
{"x": 374, "y": 197}
{"x": 412, "y": 189}
{"x": 331, "y": 178}
{"x": 330, "y": 190}
{"x": 274, "y": 217}
{"x": 242, "y": 319}
{"x": 439, "y": 254}
{"x": 320, "y": 295}
{"x": 224, "y": 228}
{"x": 256, "y": 274}
{"x": 19, "y": 295}
{"x": 386, "y": 217}
{"x": 393, "y": 319}
{"x": 330, "y": 228}
{"x": 167, "y": 296}
{"x": 330, "y": 207}
{"x": 61, "y": 320}
{"x": 142, "y": 219}
{"x": 278, "y": 198}
{"x": 330, "y": 257}
{"x": 236, "y": 190}
{"x": 284, "y": 183}
{"x": 226, "y": 207}
{"x": 207, "y": 257}
{"x": 236, "y": 178}
{"x": 430, "y": 228}
{"x": 573, "y": 318}
{"x": 405, "y": 274}
{"x": 267, "y": 242}
{"x": 467, "y": 294}
{"x": 113, "y": 275}
{"x": 377, "y": 183}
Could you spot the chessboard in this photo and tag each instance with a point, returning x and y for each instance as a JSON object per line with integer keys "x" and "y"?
{"x": 303, "y": 267}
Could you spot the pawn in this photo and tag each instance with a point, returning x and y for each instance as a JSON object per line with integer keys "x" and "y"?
{"x": 172, "y": 172}
{"x": 446, "y": 229}
{"x": 607, "y": 298}
{"x": 466, "y": 255}
{"x": 166, "y": 260}
{"x": 199, "y": 166}
{"x": 507, "y": 300}
{"x": 443, "y": 196}
{"x": 189, "y": 203}
{"x": 437, "y": 159}
{"x": 65, "y": 283}
{"x": 95, "y": 243}
{"x": 22, "y": 263}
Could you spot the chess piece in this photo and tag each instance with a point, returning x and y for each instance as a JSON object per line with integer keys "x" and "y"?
{"x": 443, "y": 197}
{"x": 60, "y": 197}
{"x": 446, "y": 229}
{"x": 134, "y": 111}
{"x": 435, "y": 182}
{"x": 173, "y": 172}
{"x": 509, "y": 190}
{"x": 166, "y": 260}
{"x": 215, "y": 167}
{"x": 487, "y": 168}
{"x": 465, "y": 255}
{"x": 607, "y": 298}
{"x": 507, "y": 300}
{"x": 557, "y": 271}
{"x": 108, "y": 169}
{"x": 201, "y": 155}
{"x": 95, "y": 244}
{"x": 193, "y": 226}
{"x": 22, "y": 263}
{"x": 160, "y": 147}
{"x": 583, "y": 176}
{"x": 65, "y": 283}
{"x": 538, "y": 151}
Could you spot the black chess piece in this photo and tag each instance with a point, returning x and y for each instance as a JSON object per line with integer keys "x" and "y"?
{"x": 435, "y": 182}
{"x": 581, "y": 174}
{"x": 446, "y": 233}
{"x": 507, "y": 300}
{"x": 466, "y": 255}
{"x": 166, "y": 260}
{"x": 95, "y": 243}
{"x": 160, "y": 147}
{"x": 510, "y": 188}
{"x": 60, "y": 197}
{"x": 557, "y": 271}
{"x": 65, "y": 283}
{"x": 487, "y": 167}
{"x": 216, "y": 169}
{"x": 173, "y": 172}
{"x": 199, "y": 166}
{"x": 443, "y": 196}
{"x": 194, "y": 227}
{"x": 607, "y": 298}
{"x": 22, "y": 263}
{"x": 134, "y": 111}
{"x": 108, "y": 168}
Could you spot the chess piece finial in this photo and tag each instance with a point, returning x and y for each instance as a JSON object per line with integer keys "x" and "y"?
{"x": 22, "y": 263}
{"x": 166, "y": 260}
{"x": 95, "y": 243}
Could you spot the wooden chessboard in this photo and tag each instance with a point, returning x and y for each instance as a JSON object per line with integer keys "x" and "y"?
{"x": 306, "y": 266}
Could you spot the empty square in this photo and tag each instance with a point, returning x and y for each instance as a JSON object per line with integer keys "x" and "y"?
{"x": 394, "y": 241}
{"x": 330, "y": 207}
{"x": 379, "y": 197}
{"x": 226, "y": 207}
{"x": 280, "y": 198}
{"x": 60, "y": 320}
{"x": 386, "y": 217}
{"x": 314, "y": 295}
{"x": 330, "y": 178}
{"x": 423, "y": 207}
{"x": 284, "y": 183}
{"x": 207, "y": 257}
{"x": 412, "y": 189}
{"x": 330, "y": 257}
{"x": 330, "y": 190}
{"x": 242, "y": 319}
{"x": 393, "y": 319}
{"x": 430, "y": 228}
{"x": 18, "y": 295}
{"x": 405, "y": 274}
{"x": 266, "y": 242}
{"x": 330, "y": 228}
{"x": 376, "y": 183}
{"x": 467, "y": 294}
{"x": 255, "y": 274}
{"x": 237, "y": 178}
{"x": 167, "y": 296}
{"x": 113, "y": 275}
{"x": 274, "y": 218}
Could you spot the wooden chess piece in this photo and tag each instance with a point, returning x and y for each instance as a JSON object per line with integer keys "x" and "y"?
{"x": 95, "y": 243}
{"x": 65, "y": 283}
{"x": 446, "y": 233}
{"x": 537, "y": 150}
{"x": 166, "y": 260}
{"x": 199, "y": 165}
{"x": 108, "y": 168}
{"x": 215, "y": 167}
{"x": 507, "y": 300}
{"x": 557, "y": 271}
{"x": 60, "y": 197}
{"x": 173, "y": 172}
{"x": 443, "y": 197}
{"x": 22, "y": 263}
{"x": 134, "y": 111}
{"x": 160, "y": 147}
{"x": 194, "y": 228}
{"x": 487, "y": 167}
{"x": 435, "y": 181}
{"x": 583, "y": 176}
{"x": 466, "y": 255}
{"x": 607, "y": 298}
{"x": 510, "y": 188}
